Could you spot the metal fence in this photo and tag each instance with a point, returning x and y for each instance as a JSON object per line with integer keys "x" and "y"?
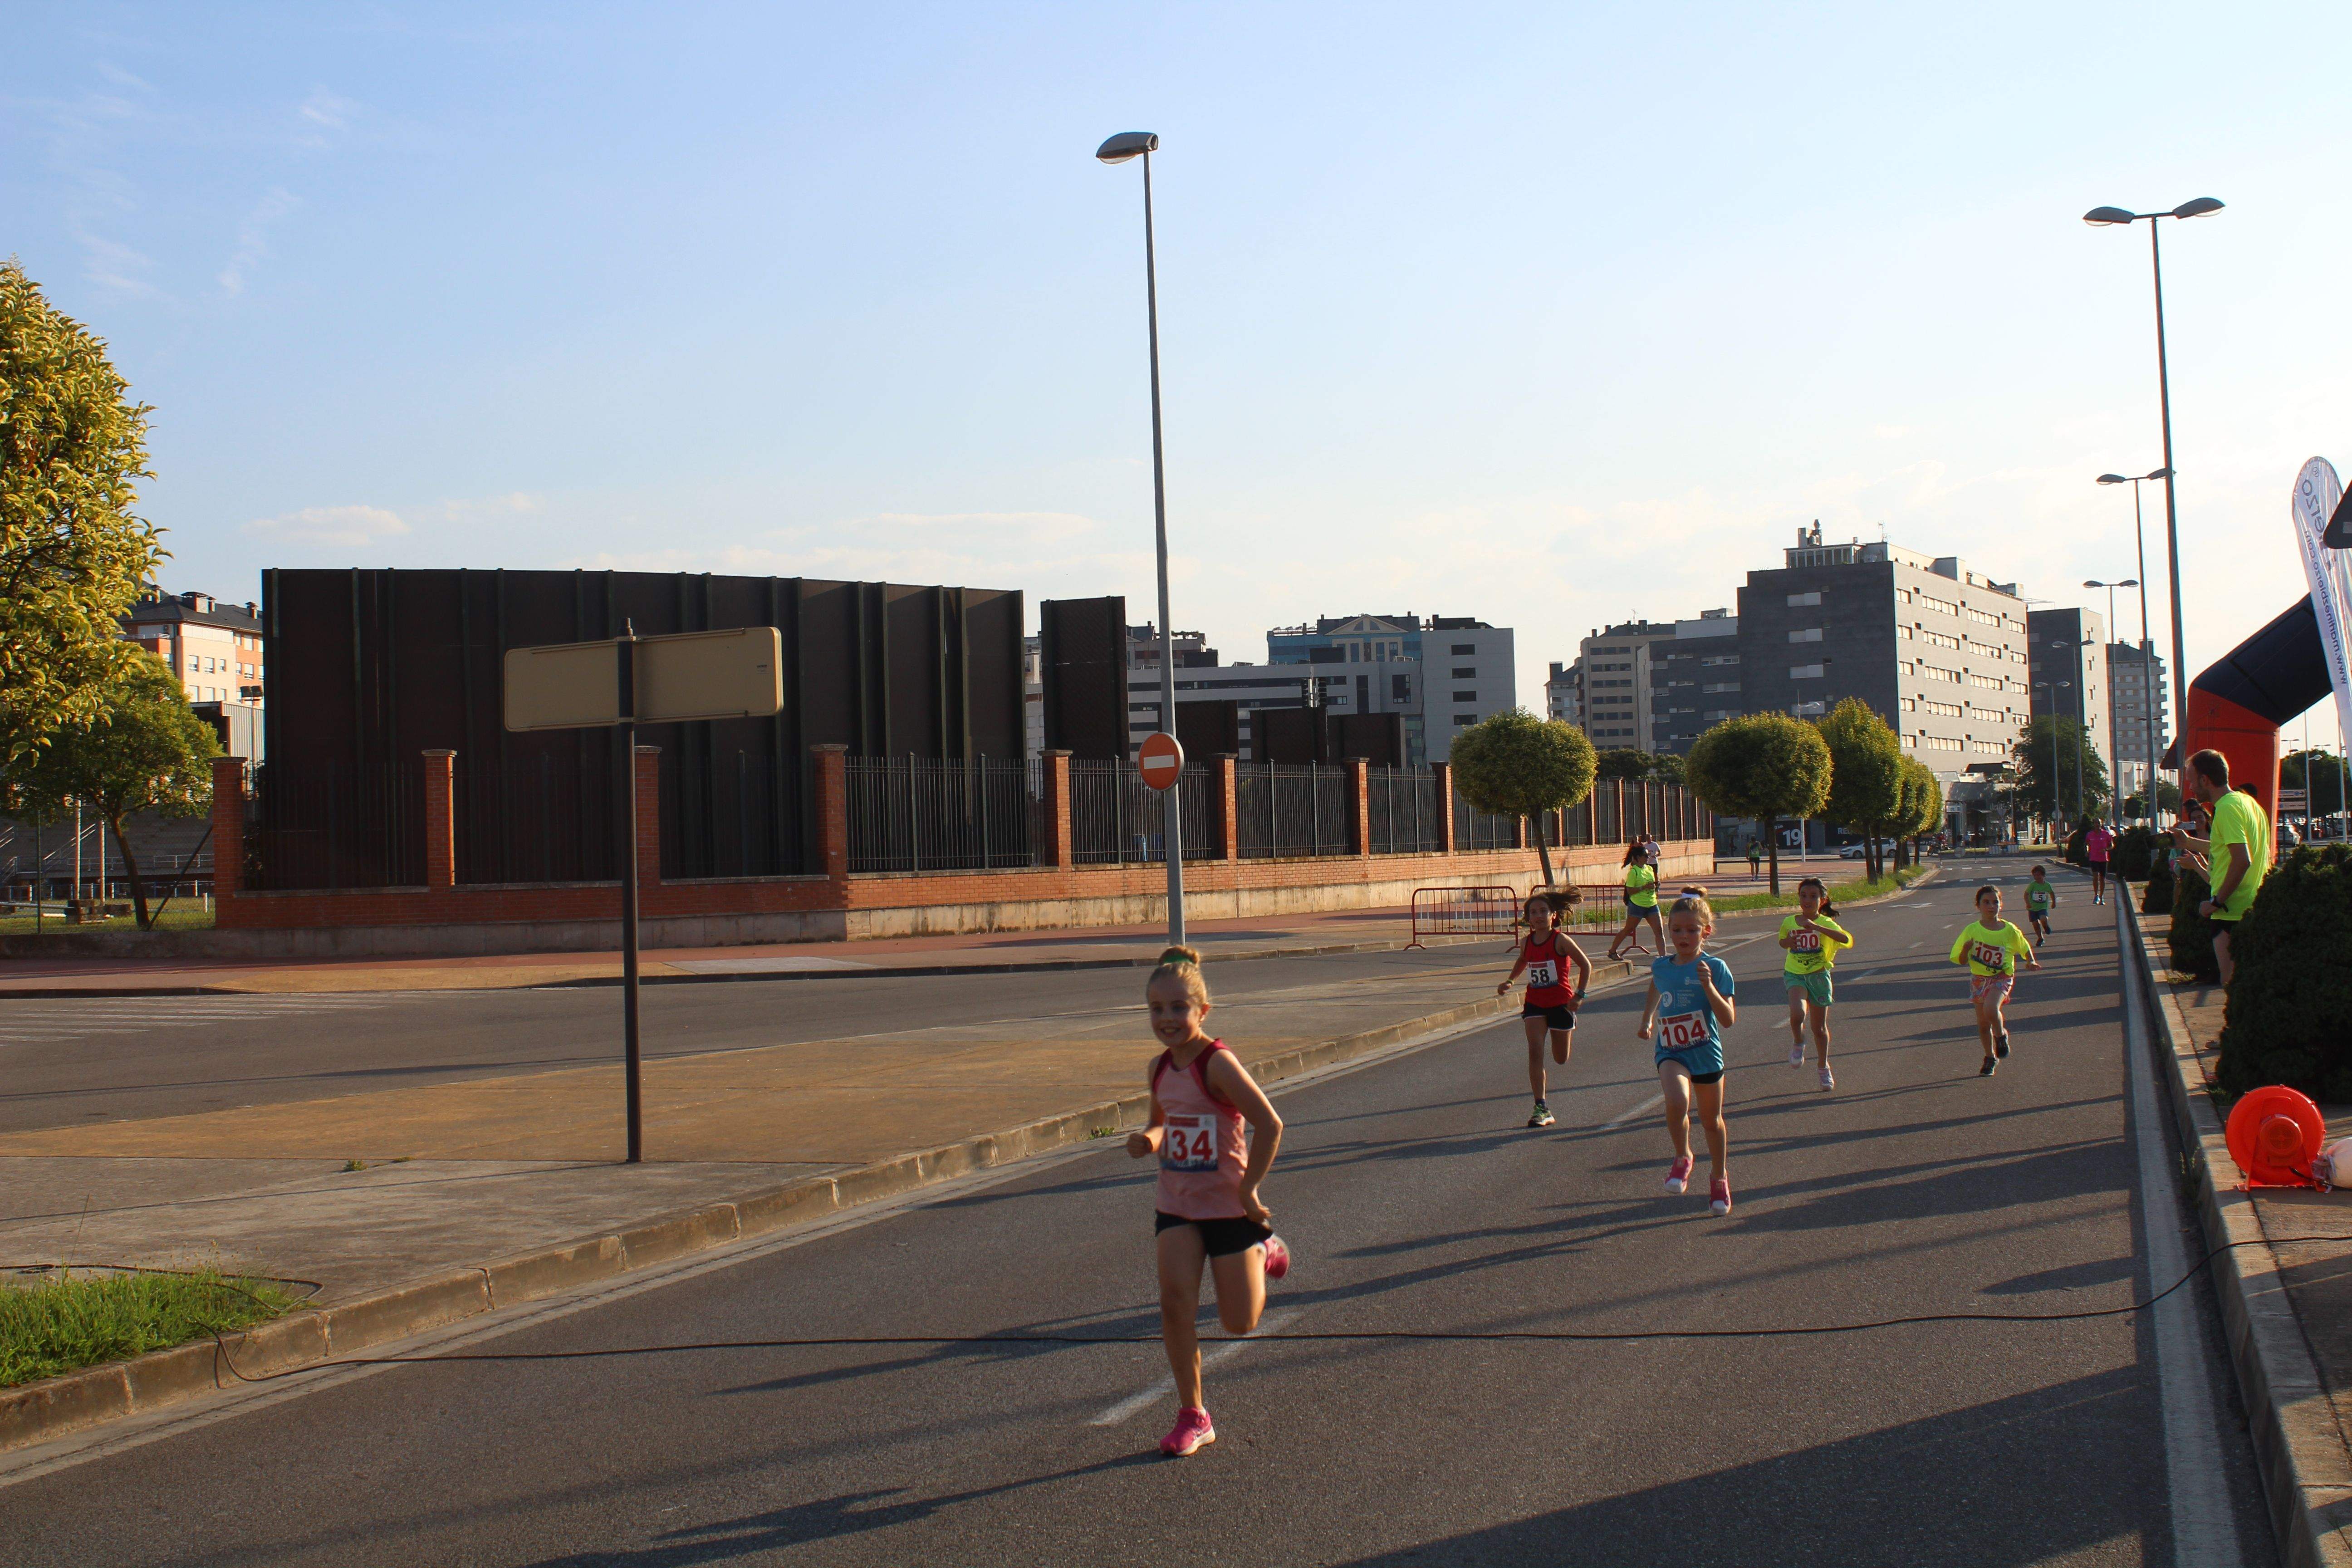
{"x": 1286, "y": 809}
{"x": 929, "y": 814}
{"x": 1401, "y": 812}
{"x": 1115, "y": 818}
{"x": 322, "y": 825}
{"x": 1482, "y": 829}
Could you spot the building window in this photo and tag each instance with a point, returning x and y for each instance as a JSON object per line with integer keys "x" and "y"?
{"x": 1796, "y": 600}
{"x": 1804, "y": 672}
{"x": 1719, "y": 659}
{"x": 1466, "y": 697}
{"x": 1717, "y": 687}
{"x": 1462, "y": 647}
{"x": 1463, "y": 719}
{"x": 1467, "y": 673}
{"x": 1941, "y": 606}
{"x": 1399, "y": 688}
{"x": 1806, "y": 633}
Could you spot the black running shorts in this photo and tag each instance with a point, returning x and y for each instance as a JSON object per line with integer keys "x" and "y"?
{"x": 1219, "y": 1237}
{"x": 1560, "y": 1017}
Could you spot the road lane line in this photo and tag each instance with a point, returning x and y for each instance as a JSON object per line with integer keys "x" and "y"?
{"x": 1220, "y": 1350}
{"x": 1624, "y": 1116}
{"x": 2204, "y": 1526}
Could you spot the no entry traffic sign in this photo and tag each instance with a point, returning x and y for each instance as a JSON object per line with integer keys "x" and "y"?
{"x": 1160, "y": 760}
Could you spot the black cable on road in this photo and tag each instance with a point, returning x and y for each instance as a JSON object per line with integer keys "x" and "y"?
{"x": 1349, "y": 1336}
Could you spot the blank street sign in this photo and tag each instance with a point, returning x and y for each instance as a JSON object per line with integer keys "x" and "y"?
{"x": 732, "y": 674}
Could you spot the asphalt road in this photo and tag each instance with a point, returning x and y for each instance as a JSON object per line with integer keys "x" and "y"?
{"x": 66, "y": 1063}
{"x": 1414, "y": 1200}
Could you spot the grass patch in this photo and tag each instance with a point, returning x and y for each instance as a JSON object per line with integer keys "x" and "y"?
{"x": 179, "y": 916}
{"x": 1733, "y": 903}
{"x": 81, "y": 1321}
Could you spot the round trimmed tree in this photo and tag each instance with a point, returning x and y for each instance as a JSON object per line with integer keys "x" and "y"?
{"x": 1516, "y": 765}
{"x": 1761, "y": 765}
{"x": 1865, "y": 775}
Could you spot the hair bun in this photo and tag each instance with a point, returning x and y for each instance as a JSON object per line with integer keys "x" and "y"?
{"x": 1175, "y": 956}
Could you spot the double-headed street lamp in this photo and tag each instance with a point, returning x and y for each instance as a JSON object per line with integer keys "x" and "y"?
{"x": 2147, "y": 643}
{"x": 2104, "y": 217}
{"x": 1141, "y": 144}
{"x": 2115, "y": 796}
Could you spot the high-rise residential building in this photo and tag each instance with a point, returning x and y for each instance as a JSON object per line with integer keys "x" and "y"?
{"x": 1694, "y": 680}
{"x": 1452, "y": 670}
{"x": 1938, "y": 651}
{"x": 214, "y": 649}
{"x": 1619, "y": 669}
{"x": 2067, "y": 669}
{"x": 1564, "y": 692}
{"x": 2137, "y": 701}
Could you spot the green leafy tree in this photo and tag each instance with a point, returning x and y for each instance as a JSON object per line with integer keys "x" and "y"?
{"x": 2289, "y": 1015}
{"x": 1623, "y": 763}
{"x": 2319, "y": 773}
{"x": 1866, "y": 775}
{"x": 145, "y": 751}
{"x": 1922, "y": 809}
{"x": 72, "y": 557}
{"x": 1665, "y": 767}
{"x": 2051, "y": 795}
{"x": 2167, "y": 798}
{"x": 1520, "y": 765}
{"x": 1762, "y": 765}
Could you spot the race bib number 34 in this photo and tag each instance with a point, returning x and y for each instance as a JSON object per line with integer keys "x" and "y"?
{"x": 1188, "y": 1144}
{"x": 1678, "y": 1030}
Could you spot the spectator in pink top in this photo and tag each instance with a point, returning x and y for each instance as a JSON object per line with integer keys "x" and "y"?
{"x": 2095, "y": 844}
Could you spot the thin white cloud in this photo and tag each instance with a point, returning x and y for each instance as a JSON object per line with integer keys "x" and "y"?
{"x": 488, "y": 509}
{"x": 253, "y": 238}
{"x": 119, "y": 76}
{"x": 351, "y": 526}
{"x": 326, "y": 109}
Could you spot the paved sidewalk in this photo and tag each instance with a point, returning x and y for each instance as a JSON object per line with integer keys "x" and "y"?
{"x": 462, "y": 1173}
{"x": 1264, "y": 936}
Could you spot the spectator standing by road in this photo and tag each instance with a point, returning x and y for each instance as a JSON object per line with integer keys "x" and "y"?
{"x": 2235, "y": 855}
{"x": 1755, "y": 858}
{"x": 2095, "y": 844}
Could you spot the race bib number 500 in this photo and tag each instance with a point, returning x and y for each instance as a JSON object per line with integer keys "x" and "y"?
{"x": 1802, "y": 941}
{"x": 1188, "y": 1144}
{"x": 1678, "y": 1030}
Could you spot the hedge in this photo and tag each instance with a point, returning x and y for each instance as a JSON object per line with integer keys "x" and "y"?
{"x": 2135, "y": 849}
{"x": 2289, "y": 1015}
{"x": 2192, "y": 937}
{"x": 2157, "y": 897}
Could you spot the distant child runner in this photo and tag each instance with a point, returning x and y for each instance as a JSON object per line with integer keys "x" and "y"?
{"x": 2097, "y": 844}
{"x": 1812, "y": 939}
{"x": 1991, "y": 947}
{"x": 1551, "y": 1003}
{"x": 1688, "y": 1007}
{"x": 1641, "y": 902}
{"x": 1208, "y": 1199}
{"x": 2041, "y": 898}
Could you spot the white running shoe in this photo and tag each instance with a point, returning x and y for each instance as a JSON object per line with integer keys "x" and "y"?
{"x": 1829, "y": 1079}
{"x": 1796, "y": 1052}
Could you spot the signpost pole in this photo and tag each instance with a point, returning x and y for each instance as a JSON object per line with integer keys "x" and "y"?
{"x": 633, "y": 1059}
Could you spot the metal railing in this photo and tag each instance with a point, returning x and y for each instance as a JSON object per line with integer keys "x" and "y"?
{"x": 1114, "y": 816}
{"x": 930, "y": 814}
{"x": 323, "y": 826}
{"x": 1282, "y": 810}
{"x": 1401, "y": 812}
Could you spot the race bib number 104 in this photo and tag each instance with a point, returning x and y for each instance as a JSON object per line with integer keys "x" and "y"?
{"x": 1188, "y": 1144}
{"x": 1677, "y": 1031}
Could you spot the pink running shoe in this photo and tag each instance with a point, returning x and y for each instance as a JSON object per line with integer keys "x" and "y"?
{"x": 1193, "y": 1433}
{"x": 1678, "y": 1174}
{"x": 1277, "y": 1258}
{"x": 1719, "y": 1196}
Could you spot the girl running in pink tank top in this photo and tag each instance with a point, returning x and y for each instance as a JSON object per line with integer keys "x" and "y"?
{"x": 1209, "y": 1211}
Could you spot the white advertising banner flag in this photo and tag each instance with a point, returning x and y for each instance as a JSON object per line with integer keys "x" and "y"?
{"x": 2329, "y": 573}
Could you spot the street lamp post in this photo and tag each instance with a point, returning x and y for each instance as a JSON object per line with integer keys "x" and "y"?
{"x": 2053, "y": 688}
{"x": 2103, "y": 217}
{"x": 1119, "y": 149}
{"x": 2147, "y": 643}
{"x": 2115, "y": 796}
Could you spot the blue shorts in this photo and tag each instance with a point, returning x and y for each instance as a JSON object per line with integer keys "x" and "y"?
{"x": 1704, "y": 1063}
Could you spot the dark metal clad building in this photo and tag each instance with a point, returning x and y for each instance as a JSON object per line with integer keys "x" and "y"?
{"x": 370, "y": 668}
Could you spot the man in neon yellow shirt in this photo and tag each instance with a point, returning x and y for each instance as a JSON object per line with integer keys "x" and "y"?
{"x": 2236, "y": 851}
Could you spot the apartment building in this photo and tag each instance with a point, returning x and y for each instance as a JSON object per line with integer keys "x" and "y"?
{"x": 2138, "y": 706}
{"x": 1939, "y": 652}
{"x": 214, "y": 649}
{"x": 2067, "y": 667}
{"x": 1443, "y": 673}
{"x": 1564, "y": 692}
{"x": 1620, "y": 671}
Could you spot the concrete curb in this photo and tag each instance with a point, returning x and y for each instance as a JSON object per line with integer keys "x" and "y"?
{"x": 878, "y": 972}
{"x": 2299, "y": 1447}
{"x": 56, "y": 1407}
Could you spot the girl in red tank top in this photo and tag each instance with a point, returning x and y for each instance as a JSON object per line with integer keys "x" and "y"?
{"x": 1203, "y": 1100}
{"x": 1551, "y": 1001}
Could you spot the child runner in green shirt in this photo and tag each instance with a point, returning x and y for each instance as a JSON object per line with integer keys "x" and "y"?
{"x": 1812, "y": 937}
{"x": 2040, "y": 898}
{"x": 1991, "y": 947}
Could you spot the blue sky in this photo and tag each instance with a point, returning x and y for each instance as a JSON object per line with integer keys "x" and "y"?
{"x": 1552, "y": 315}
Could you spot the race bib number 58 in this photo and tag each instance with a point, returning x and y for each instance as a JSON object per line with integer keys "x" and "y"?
{"x": 1188, "y": 1144}
{"x": 1677, "y": 1030}
{"x": 1543, "y": 974}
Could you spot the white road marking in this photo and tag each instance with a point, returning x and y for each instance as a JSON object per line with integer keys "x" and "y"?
{"x": 1624, "y": 1116}
{"x": 1222, "y": 1351}
{"x": 2204, "y": 1529}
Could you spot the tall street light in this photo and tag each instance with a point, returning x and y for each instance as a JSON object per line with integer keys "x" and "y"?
{"x": 2147, "y": 645}
{"x": 2053, "y": 688}
{"x": 2104, "y": 217}
{"x": 1141, "y": 144}
{"x": 2115, "y": 796}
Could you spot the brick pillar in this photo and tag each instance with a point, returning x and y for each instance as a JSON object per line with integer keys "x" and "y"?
{"x": 1056, "y": 850}
{"x": 228, "y": 829}
{"x": 1225, "y": 807}
{"x": 1360, "y": 806}
{"x": 648, "y": 764}
{"x": 831, "y": 803}
{"x": 1445, "y": 771}
{"x": 440, "y": 820}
